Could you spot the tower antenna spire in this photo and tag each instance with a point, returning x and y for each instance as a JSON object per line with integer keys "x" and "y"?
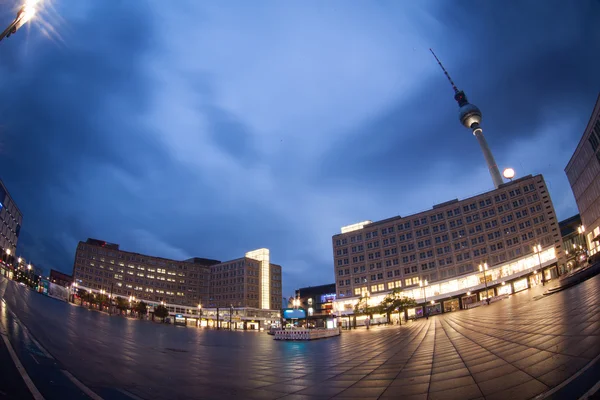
{"x": 445, "y": 72}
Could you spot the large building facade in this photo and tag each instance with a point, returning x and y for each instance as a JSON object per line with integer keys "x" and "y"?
{"x": 10, "y": 224}
{"x": 583, "y": 172}
{"x": 435, "y": 256}
{"x": 249, "y": 282}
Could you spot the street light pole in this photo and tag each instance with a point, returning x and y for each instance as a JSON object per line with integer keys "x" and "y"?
{"x": 424, "y": 295}
{"x": 538, "y": 250}
{"x": 483, "y": 268}
{"x": 24, "y": 15}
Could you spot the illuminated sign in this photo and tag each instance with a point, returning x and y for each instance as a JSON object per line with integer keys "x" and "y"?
{"x": 294, "y": 313}
{"x": 326, "y": 298}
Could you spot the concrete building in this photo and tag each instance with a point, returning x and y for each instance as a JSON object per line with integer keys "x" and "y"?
{"x": 583, "y": 172}
{"x": 250, "y": 281}
{"x": 244, "y": 293}
{"x": 60, "y": 279}
{"x": 573, "y": 237}
{"x": 435, "y": 256}
{"x": 10, "y": 228}
{"x": 317, "y": 300}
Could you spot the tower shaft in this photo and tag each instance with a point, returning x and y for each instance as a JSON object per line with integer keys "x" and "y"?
{"x": 489, "y": 158}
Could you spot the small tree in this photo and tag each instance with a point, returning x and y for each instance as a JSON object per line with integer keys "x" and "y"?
{"x": 395, "y": 301}
{"x": 141, "y": 308}
{"x": 122, "y": 304}
{"x": 361, "y": 307}
{"x": 161, "y": 312}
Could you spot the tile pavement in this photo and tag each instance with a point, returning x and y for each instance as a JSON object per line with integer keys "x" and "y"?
{"x": 517, "y": 348}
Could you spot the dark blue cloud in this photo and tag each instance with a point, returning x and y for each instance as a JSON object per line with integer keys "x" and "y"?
{"x": 204, "y": 131}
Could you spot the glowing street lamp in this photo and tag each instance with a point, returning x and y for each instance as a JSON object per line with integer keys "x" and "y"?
{"x": 509, "y": 173}
{"x": 24, "y": 15}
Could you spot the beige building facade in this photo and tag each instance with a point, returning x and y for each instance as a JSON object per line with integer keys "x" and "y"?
{"x": 11, "y": 220}
{"x": 583, "y": 172}
{"x": 437, "y": 254}
{"x": 251, "y": 281}
{"x": 101, "y": 266}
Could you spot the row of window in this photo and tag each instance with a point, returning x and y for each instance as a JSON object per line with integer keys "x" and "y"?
{"x": 453, "y": 213}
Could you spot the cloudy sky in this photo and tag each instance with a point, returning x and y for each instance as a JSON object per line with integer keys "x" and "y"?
{"x": 197, "y": 128}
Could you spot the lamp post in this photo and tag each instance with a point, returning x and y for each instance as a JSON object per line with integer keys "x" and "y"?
{"x": 199, "y": 315}
{"x": 538, "y": 250}
{"x": 423, "y": 286}
{"x": 367, "y": 297}
{"x": 230, "y": 315}
{"x": 24, "y": 15}
{"x": 482, "y": 268}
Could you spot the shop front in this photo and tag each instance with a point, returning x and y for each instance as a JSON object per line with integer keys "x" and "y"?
{"x": 179, "y": 319}
{"x": 535, "y": 279}
{"x": 191, "y": 321}
{"x": 434, "y": 309}
{"x": 485, "y": 295}
{"x": 520, "y": 285}
{"x": 504, "y": 289}
{"x": 253, "y": 325}
{"x": 469, "y": 300}
{"x": 413, "y": 313}
{"x": 551, "y": 273}
{"x": 451, "y": 305}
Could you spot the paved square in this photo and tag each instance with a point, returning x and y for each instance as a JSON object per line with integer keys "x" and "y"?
{"x": 517, "y": 348}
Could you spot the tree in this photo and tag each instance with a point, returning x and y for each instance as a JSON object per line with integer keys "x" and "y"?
{"x": 161, "y": 312}
{"x": 361, "y": 307}
{"x": 141, "y": 308}
{"x": 395, "y": 301}
{"x": 122, "y": 304}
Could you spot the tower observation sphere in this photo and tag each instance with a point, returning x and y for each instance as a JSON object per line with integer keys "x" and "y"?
{"x": 469, "y": 115}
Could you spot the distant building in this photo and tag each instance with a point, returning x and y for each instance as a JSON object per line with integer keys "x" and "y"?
{"x": 11, "y": 219}
{"x": 243, "y": 293}
{"x": 583, "y": 171}
{"x": 435, "y": 256}
{"x": 250, "y": 281}
{"x": 317, "y": 300}
{"x": 60, "y": 279}
{"x": 574, "y": 242}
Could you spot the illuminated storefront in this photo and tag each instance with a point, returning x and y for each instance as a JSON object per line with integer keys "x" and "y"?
{"x": 521, "y": 284}
{"x": 465, "y": 287}
{"x": 504, "y": 289}
{"x": 451, "y": 305}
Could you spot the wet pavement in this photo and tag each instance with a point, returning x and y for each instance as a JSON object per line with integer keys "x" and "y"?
{"x": 518, "y": 348}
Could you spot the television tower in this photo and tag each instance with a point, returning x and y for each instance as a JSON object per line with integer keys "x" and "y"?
{"x": 470, "y": 117}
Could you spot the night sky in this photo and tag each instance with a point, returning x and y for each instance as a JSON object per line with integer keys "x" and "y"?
{"x": 197, "y": 128}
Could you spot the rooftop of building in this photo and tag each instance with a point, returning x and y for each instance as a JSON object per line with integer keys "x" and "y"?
{"x": 207, "y": 262}
{"x": 371, "y": 224}
{"x": 60, "y": 275}
{"x": 328, "y": 288}
{"x": 569, "y": 226}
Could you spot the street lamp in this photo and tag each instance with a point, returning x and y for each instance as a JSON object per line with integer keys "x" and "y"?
{"x": 538, "y": 250}
{"x": 509, "y": 173}
{"x": 367, "y": 297}
{"x": 482, "y": 268}
{"x": 24, "y": 15}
